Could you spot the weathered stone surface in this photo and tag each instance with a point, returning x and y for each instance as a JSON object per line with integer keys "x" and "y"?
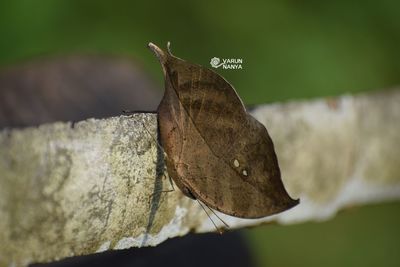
{"x": 78, "y": 190}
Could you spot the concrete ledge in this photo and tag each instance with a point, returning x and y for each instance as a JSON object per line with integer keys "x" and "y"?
{"x": 68, "y": 191}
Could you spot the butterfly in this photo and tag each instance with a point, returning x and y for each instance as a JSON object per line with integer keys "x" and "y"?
{"x": 216, "y": 151}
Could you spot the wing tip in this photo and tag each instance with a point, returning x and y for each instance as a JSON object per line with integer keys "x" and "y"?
{"x": 161, "y": 55}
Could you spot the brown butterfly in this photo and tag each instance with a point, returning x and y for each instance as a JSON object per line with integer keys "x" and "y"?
{"x": 216, "y": 151}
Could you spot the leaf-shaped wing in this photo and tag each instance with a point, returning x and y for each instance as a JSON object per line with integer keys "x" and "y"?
{"x": 216, "y": 151}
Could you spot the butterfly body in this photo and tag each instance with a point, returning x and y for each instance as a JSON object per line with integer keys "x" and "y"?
{"x": 216, "y": 151}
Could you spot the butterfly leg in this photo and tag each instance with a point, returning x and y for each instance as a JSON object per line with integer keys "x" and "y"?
{"x": 185, "y": 190}
{"x": 163, "y": 191}
{"x": 154, "y": 139}
{"x": 128, "y": 112}
{"x": 170, "y": 181}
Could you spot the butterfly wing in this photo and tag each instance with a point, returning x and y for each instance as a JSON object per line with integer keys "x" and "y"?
{"x": 216, "y": 151}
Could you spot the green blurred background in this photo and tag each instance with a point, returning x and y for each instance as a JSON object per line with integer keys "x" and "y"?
{"x": 291, "y": 50}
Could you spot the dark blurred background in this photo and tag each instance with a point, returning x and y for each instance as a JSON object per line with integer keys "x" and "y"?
{"x": 69, "y": 60}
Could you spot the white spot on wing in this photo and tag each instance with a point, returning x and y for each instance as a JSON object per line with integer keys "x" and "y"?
{"x": 236, "y": 163}
{"x": 244, "y": 172}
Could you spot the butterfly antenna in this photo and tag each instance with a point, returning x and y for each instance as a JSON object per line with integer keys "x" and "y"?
{"x": 170, "y": 181}
{"x": 209, "y": 217}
